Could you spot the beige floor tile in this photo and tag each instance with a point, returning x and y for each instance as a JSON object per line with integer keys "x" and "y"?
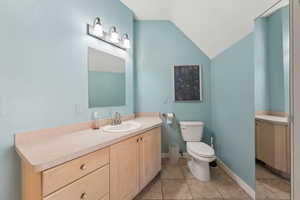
{"x": 262, "y": 192}
{"x": 155, "y": 185}
{"x": 152, "y": 191}
{"x": 217, "y": 174}
{"x": 271, "y": 186}
{"x": 263, "y": 173}
{"x": 230, "y": 190}
{"x": 186, "y": 172}
{"x": 171, "y": 172}
{"x": 149, "y": 196}
{"x": 240, "y": 198}
{"x": 176, "y": 182}
{"x": 175, "y": 189}
{"x": 268, "y": 199}
{"x": 208, "y": 199}
{"x": 203, "y": 189}
{"x": 279, "y": 188}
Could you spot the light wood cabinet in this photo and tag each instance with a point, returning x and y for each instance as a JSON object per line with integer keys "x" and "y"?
{"x": 87, "y": 176}
{"x": 59, "y": 176}
{"x": 91, "y": 187}
{"x": 133, "y": 164}
{"x": 258, "y": 140}
{"x": 150, "y": 159}
{"x": 124, "y": 168}
{"x": 265, "y": 142}
{"x": 117, "y": 172}
{"x": 273, "y": 145}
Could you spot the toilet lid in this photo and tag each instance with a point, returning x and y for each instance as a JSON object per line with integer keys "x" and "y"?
{"x": 201, "y": 149}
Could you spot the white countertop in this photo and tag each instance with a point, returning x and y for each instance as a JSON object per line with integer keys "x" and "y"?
{"x": 272, "y": 118}
{"x": 48, "y": 152}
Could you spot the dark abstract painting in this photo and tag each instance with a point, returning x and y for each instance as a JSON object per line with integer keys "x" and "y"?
{"x": 187, "y": 83}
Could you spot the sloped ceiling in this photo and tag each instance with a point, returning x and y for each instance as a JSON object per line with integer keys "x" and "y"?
{"x": 274, "y": 8}
{"x": 213, "y": 25}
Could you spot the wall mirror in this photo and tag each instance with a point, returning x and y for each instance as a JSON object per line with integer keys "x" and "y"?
{"x": 272, "y": 126}
{"x": 106, "y": 79}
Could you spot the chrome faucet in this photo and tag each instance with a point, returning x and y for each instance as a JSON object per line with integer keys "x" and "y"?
{"x": 116, "y": 120}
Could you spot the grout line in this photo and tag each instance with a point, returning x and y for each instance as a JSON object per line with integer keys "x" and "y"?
{"x": 161, "y": 187}
{"x": 185, "y": 180}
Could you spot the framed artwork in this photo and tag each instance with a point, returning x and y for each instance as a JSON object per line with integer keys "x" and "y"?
{"x": 187, "y": 83}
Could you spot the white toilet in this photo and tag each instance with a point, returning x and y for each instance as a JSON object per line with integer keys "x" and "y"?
{"x": 201, "y": 153}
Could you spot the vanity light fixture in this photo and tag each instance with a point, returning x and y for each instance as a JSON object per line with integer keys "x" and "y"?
{"x": 126, "y": 41}
{"x": 111, "y": 37}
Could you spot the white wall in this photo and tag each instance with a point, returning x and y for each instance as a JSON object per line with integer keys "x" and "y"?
{"x": 295, "y": 110}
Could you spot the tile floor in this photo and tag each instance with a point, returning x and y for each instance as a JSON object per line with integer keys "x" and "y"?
{"x": 177, "y": 183}
{"x": 270, "y": 186}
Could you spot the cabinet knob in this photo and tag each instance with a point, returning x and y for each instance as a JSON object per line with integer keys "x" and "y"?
{"x": 137, "y": 140}
{"x": 84, "y": 196}
{"x": 83, "y": 167}
{"x": 141, "y": 139}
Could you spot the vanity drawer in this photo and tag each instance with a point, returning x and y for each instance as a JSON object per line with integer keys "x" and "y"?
{"x": 94, "y": 186}
{"x": 57, "y": 177}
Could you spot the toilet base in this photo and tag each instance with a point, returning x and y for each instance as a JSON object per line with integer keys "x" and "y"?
{"x": 199, "y": 169}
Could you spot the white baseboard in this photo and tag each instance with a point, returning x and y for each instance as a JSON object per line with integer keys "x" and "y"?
{"x": 237, "y": 179}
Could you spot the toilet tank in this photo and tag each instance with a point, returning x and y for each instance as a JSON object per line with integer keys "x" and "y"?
{"x": 192, "y": 131}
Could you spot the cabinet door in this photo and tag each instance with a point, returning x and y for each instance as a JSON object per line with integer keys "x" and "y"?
{"x": 281, "y": 148}
{"x": 267, "y": 143}
{"x": 288, "y": 151}
{"x": 124, "y": 170}
{"x": 258, "y": 145}
{"x": 150, "y": 156}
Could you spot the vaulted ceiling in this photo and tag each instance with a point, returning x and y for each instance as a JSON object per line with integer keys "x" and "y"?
{"x": 213, "y": 25}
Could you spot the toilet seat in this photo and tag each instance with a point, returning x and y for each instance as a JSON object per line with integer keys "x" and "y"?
{"x": 201, "y": 149}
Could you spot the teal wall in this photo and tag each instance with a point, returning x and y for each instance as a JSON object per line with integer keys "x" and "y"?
{"x": 275, "y": 62}
{"x": 228, "y": 106}
{"x": 43, "y": 70}
{"x": 44, "y": 79}
{"x": 233, "y": 108}
{"x": 159, "y": 46}
{"x": 106, "y": 89}
{"x": 262, "y": 96}
{"x": 272, "y": 62}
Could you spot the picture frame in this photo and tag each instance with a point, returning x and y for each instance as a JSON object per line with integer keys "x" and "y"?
{"x": 187, "y": 83}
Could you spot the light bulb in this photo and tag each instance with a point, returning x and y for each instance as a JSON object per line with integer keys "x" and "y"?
{"x": 97, "y": 28}
{"x": 114, "y": 36}
{"x": 126, "y": 41}
{"x": 98, "y": 31}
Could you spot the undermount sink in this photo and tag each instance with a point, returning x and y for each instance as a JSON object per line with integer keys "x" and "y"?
{"x": 124, "y": 127}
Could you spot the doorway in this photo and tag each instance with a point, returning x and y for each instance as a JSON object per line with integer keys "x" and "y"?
{"x": 273, "y": 133}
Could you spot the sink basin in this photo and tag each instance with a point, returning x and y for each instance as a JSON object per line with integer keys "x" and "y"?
{"x": 124, "y": 127}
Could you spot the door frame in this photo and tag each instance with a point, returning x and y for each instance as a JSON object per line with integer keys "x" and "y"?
{"x": 295, "y": 94}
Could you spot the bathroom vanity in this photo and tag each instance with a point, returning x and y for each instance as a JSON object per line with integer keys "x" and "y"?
{"x": 61, "y": 164}
{"x": 273, "y": 142}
